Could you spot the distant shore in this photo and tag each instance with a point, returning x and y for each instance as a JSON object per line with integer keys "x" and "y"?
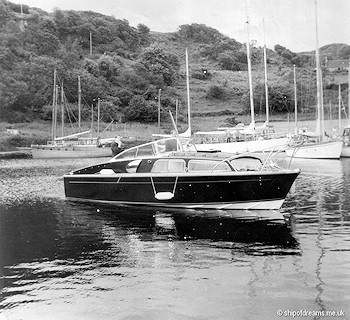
{"x": 131, "y": 133}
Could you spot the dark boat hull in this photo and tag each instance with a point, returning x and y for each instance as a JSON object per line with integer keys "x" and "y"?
{"x": 233, "y": 191}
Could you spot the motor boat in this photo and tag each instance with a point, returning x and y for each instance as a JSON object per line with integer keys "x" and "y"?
{"x": 160, "y": 174}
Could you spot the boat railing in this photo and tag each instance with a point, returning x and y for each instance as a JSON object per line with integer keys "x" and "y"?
{"x": 226, "y": 137}
{"x": 270, "y": 158}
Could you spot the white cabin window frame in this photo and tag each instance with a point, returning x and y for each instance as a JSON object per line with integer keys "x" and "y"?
{"x": 169, "y": 165}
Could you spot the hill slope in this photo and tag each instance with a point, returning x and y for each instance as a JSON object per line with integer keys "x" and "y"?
{"x": 128, "y": 66}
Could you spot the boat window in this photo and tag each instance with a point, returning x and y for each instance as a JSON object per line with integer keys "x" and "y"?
{"x": 132, "y": 166}
{"x": 166, "y": 145}
{"x": 207, "y": 165}
{"x": 145, "y": 150}
{"x": 127, "y": 154}
{"x": 246, "y": 164}
{"x": 169, "y": 165}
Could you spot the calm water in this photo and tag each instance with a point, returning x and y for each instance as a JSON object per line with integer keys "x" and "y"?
{"x": 60, "y": 260}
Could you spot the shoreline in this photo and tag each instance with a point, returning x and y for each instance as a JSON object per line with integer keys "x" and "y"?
{"x": 278, "y": 125}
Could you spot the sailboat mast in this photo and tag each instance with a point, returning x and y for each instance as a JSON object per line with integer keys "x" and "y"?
{"x": 79, "y": 104}
{"x": 266, "y": 87}
{"x": 176, "y": 111}
{"x": 53, "y": 105}
{"x": 92, "y": 115}
{"x": 188, "y": 93}
{"x": 320, "y": 124}
{"x": 295, "y": 102}
{"x": 339, "y": 107}
{"x": 98, "y": 117}
{"x": 250, "y": 75}
{"x": 349, "y": 90}
{"x": 62, "y": 111}
{"x": 56, "y": 111}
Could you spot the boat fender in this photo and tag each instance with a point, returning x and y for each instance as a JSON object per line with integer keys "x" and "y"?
{"x": 164, "y": 196}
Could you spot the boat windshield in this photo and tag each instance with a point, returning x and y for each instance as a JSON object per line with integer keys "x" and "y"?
{"x": 154, "y": 148}
{"x": 246, "y": 164}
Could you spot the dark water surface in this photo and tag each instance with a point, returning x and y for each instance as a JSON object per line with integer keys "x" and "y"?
{"x": 62, "y": 260}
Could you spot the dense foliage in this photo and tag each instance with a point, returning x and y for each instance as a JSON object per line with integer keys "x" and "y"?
{"x": 123, "y": 66}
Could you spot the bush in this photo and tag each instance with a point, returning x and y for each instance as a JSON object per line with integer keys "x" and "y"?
{"x": 141, "y": 110}
{"x": 216, "y": 92}
{"x": 9, "y": 143}
{"x": 202, "y": 74}
{"x": 108, "y": 111}
{"x": 228, "y": 62}
{"x": 232, "y": 121}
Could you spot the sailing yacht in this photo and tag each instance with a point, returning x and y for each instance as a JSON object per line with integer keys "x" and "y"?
{"x": 315, "y": 145}
{"x": 71, "y": 146}
{"x": 252, "y": 137}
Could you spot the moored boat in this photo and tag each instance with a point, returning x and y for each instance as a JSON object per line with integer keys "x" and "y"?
{"x": 68, "y": 151}
{"x": 158, "y": 174}
{"x": 72, "y": 147}
{"x": 315, "y": 145}
{"x": 258, "y": 144}
{"x": 320, "y": 150}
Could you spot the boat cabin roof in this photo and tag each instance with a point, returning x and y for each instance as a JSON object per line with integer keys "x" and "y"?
{"x": 186, "y": 162}
{"x": 176, "y": 162}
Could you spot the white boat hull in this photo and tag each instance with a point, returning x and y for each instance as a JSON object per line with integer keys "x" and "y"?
{"x": 54, "y": 152}
{"x": 253, "y": 205}
{"x": 245, "y": 146}
{"x": 323, "y": 150}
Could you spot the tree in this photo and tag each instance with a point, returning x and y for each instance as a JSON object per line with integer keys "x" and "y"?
{"x": 124, "y": 95}
{"x": 143, "y": 29}
{"x": 141, "y": 110}
{"x": 38, "y": 74}
{"x": 285, "y": 53}
{"x": 228, "y": 61}
{"x": 344, "y": 52}
{"x": 200, "y": 33}
{"x": 40, "y": 41}
{"x": 108, "y": 68}
{"x": 5, "y": 14}
{"x": 281, "y": 98}
{"x": 109, "y": 112}
{"x": 157, "y": 61}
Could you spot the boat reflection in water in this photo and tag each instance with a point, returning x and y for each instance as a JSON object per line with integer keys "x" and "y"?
{"x": 264, "y": 231}
{"x": 246, "y": 227}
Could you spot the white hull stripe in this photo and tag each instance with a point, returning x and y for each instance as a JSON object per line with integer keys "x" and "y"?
{"x": 256, "y": 205}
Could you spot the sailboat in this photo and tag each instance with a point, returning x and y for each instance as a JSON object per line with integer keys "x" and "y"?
{"x": 254, "y": 142}
{"x": 70, "y": 146}
{"x": 317, "y": 147}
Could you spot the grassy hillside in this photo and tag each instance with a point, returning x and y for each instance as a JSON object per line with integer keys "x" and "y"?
{"x": 127, "y": 69}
